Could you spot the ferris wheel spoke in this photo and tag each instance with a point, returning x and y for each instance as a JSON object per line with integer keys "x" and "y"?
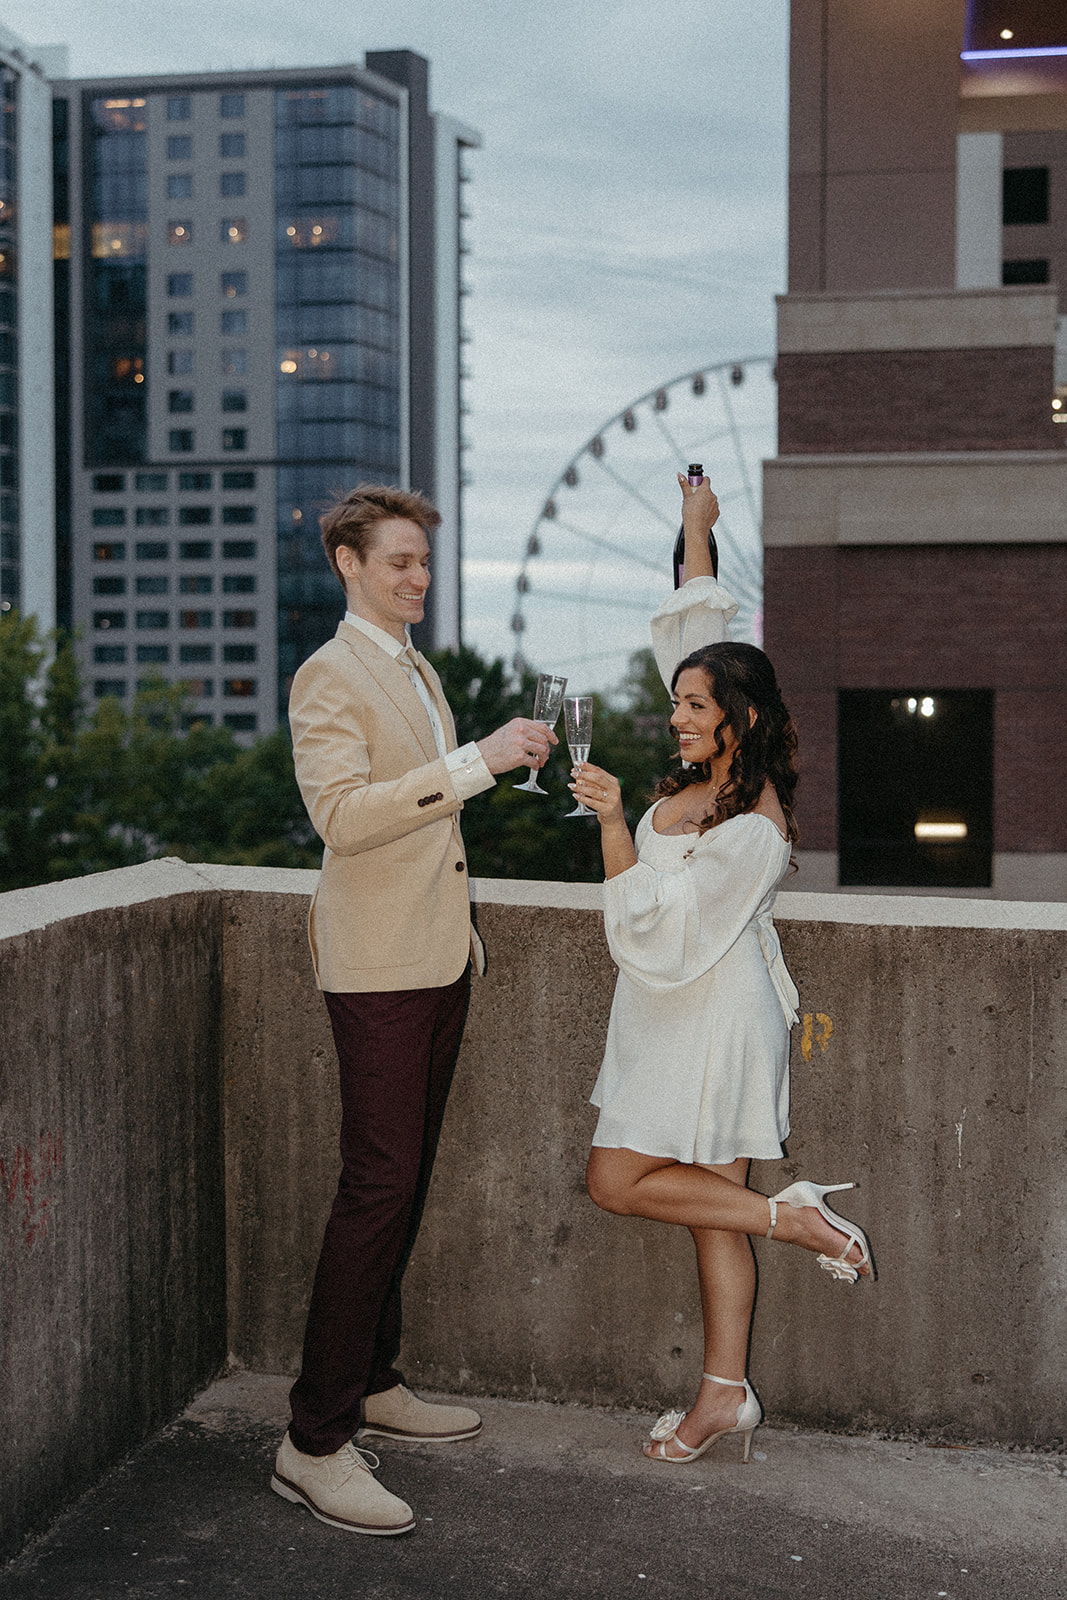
{"x": 676, "y": 449}
{"x": 606, "y": 544}
{"x": 624, "y": 483}
{"x": 738, "y": 451}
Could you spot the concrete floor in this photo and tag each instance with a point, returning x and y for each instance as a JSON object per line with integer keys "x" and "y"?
{"x": 557, "y": 1503}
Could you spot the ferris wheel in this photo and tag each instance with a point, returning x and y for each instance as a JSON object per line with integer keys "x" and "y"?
{"x": 598, "y": 559}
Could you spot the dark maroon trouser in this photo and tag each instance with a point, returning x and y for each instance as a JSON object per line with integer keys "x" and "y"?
{"x": 397, "y": 1051}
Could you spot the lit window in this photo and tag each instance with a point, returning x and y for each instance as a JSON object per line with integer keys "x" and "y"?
{"x": 239, "y": 688}
{"x": 115, "y": 551}
{"x": 234, "y": 284}
{"x": 180, "y": 232}
{"x": 195, "y": 619}
{"x": 233, "y": 230}
{"x": 235, "y": 439}
{"x": 199, "y": 688}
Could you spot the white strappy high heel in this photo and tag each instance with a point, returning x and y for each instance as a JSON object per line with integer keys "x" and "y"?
{"x": 749, "y": 1416}
{"x": 799, "y": 1195}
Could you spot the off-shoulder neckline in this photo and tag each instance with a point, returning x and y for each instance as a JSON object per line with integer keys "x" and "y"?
{"x": 763, "y": 814}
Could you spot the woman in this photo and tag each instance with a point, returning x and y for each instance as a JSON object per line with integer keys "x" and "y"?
{"x": 694, "y": 1083}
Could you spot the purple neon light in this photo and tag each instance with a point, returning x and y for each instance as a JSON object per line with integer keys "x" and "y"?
{"x": 1008, "y": 55}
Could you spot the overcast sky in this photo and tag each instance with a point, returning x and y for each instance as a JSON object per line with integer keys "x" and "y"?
{"x": 629, "y": 199}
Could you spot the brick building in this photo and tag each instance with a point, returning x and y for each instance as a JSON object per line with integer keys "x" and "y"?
{"x": 915, "y": 518}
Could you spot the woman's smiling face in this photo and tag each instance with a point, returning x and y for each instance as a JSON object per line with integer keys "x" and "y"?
{"x": 696, "y": 717}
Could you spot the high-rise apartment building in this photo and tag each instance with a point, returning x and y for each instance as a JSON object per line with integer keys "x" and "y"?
{"x": 27, "y": 544}
{"x": 261, "y": 307}
{"x": 915, "y": 519}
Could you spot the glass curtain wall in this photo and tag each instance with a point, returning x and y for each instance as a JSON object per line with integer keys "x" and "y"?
{"x": 10, "y": 595}
{"x": 61, "y": 313}
{"x": 337, "y": 186}
{"x": 116, "y": 412}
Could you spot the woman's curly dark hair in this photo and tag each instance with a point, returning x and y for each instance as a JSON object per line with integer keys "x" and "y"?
{"x": 742, "y": 678}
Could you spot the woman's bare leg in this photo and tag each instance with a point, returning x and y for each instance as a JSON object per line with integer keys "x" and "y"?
{"x": 727, "y": 1273}
{"x": 631, "y": 1184}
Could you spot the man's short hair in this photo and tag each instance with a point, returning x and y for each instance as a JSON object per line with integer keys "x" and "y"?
{"x": 352, "y": 519}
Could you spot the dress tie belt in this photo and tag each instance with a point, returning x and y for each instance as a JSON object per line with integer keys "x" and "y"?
{"x": 784, "y": 987}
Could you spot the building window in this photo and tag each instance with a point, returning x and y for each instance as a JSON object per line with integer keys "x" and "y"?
{"x": 179, "y": 147}
{"x": 232, "y": 146}
{"x": 234, "y": 283}
{"x": 234, "y": 652}
{"x": 195, "y": 619}
{"x": 103, "y": 620}
{"x": 115, "y": 551}
{"x": 1025, "y": 193}
{"x": 240, "y": 721}
{"x": 234, "y": 322}
{"x": 182, "y": 441}
{"x": 234, "y": 400}
{"x": 179, "y": 107}
{"x": 109, "y": 585}
{"x": 195, "y": 583}
{"x": 239, "y": 688}
{"x": 191, "y": 653}
{"x": 238, "y": 619}
{"x": 109, "y": 482}
{"x": 233, "y": 230}
{"x": 239, "y": 583}
{"x": 195, "y": 550}
{"x": 1024, "y": 272}
{"x": 231, "y": 105}
{"x": 109, "y": 516}
{"x": 153, "y": 550}
{"x": 194, "y": 516}
{"x": 235, "y": 516}
{"x": 179, "y": 284}
{"x": 180, "y": 186}
{"x": 238, "y": 480}
{"x": 152, "y": 482}
{"x": 155, "y": 583}
{"x": 108, "y": 688}
{"x": 239, "y": 549}
{"x": 195, "y": 482}
{"x": 234, "y": 439}
{"x": 915, "y": 782}
{"x": 109, "y": 655}
{"x": 152, "y": 517}
{"x": 180, "y": 324}
{"x": 180, "y": 400}
{"x": 179, "y": 363}
{"x": 231, "y": 185}
{"x": 153, "y": 619}
{"x": 234, "y": 363}
{"x": 180, "y": 232}
{"x": 199, "y": 688}
{"x": 152, "y": 654}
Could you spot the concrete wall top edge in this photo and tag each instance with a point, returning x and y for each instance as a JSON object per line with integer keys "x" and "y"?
{"x": 24, "y": 910}
{"x": 920, "y": 911}
{"x": 1001, "y": 460}
{"x": 965, "y": 319}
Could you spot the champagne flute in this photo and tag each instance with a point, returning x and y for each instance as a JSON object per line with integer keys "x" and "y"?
{"x": 547, "y": 701}
{"x": 578, "y": 712}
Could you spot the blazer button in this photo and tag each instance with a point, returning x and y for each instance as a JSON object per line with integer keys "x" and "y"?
{"x": 459, "y": 866}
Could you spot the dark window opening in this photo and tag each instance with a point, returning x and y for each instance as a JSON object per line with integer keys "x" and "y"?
{"x": 1025, "y": 196}
{"x": 1024, "y": 272}
{"x": 915, "y": 787}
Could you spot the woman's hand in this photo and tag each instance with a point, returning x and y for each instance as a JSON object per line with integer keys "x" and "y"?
{"x": 700, "y": 505}
{"x": 599, "y": 791}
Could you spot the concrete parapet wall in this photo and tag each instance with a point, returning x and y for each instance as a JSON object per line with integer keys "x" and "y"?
{"x": 162, "y": 1030}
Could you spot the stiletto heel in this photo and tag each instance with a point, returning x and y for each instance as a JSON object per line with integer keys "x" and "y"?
{"x": 749, "y": 1417}
{"x": 799, "y": 1195}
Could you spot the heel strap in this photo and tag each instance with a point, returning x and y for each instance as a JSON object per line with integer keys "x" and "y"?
{"x": 727, "y": 1383}
{"x": 773, "y": 1203}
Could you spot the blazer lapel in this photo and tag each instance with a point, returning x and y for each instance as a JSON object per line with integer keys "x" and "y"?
{"x": 394, "y": 681}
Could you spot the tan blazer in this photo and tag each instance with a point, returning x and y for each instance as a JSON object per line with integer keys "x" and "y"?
{"x": 392, "y": 909}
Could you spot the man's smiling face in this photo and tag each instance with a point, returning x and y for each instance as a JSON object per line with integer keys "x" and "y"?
{"x": 389, "y": 588}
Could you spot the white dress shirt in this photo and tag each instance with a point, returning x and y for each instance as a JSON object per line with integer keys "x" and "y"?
{"x": 466, "y": 768}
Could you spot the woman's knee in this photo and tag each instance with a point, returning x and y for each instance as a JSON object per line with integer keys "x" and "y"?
{"x": 606, "y": 1185}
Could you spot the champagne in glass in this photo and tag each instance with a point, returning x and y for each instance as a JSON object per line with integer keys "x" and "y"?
{"x": 578, "y": 712}
{"x": 547, "y": 701}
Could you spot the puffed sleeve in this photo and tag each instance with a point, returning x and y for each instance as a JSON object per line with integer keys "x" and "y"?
{"x": 666, "y": 927}
{"x": 694, "y": 615}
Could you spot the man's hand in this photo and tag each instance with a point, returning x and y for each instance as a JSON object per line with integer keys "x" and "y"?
{"x": 519, "y": 743}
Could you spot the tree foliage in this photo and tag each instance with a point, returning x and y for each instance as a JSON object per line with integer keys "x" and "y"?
{"x": 84, "y": 790}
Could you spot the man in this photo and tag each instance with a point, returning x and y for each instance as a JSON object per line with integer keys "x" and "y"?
{"x": 392, "y": 941}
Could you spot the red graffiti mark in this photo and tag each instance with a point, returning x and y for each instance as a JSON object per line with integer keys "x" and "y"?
{"x": 26, "y": 1172}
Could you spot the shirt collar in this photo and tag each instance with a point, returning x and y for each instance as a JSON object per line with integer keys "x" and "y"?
{"x": 378, "y": 636}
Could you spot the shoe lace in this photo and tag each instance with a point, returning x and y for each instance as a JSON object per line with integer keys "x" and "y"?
{"x": 365, "y": 1460}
